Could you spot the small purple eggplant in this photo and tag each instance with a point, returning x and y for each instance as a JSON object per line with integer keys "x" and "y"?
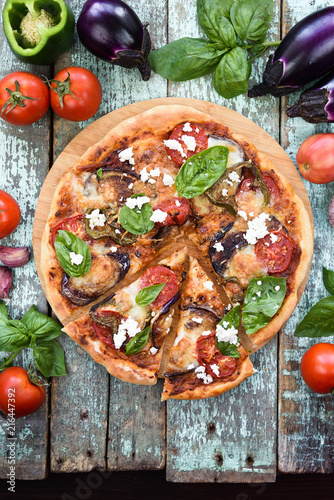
{"x": 316, "y": 104}
{"x": 112, "y": 31}
{"x": 305, "y": 54}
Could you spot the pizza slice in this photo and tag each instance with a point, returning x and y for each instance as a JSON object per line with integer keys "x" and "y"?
{"x": 126, "y": 331}
{"x": 207, "y": 358}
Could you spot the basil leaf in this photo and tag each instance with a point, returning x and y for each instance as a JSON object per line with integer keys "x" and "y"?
{"x": 258, "y": 49}
{"x": 3, "y": 312}
{"x": 41, "y": 326}
{"x": 148, "y": 294}
{"x": 232, "y": 73}
{"x": 319, "y": 321}
{"x": 139, "y": 341}
{"x": 231, "y": 319}
{"x": 257, "y": 310}
{"x": 99, "y": 173}
{"x": 13, "y": 336}
{"x": 135, "y": 220}
{"x": 200, "y": 171}
{"x": 185, "y": 59}
{"x": 212, "y": 17}
{"x": 328, "y": 278}
{"x": 49, "y": 358}
{"x": 66, "y": 243}
{"x": 251, "y": 19}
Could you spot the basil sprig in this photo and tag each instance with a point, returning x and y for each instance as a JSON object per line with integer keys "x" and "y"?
{"x": 35, "y": 331}
{"x": 233, "y": 319}
{"x": 136, "y": 220}
{"x": 234, "y": 29}
{"x": 67, "y": 242}
{"x": 319, "y": 321}
{"x": 262, "y": 301}
{"x": 148, "y": 294}
{"x": 201, "y": 171}
{"x": 138, "y": 342}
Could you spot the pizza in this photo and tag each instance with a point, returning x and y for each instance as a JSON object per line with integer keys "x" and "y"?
{"x": 166, "y": 179}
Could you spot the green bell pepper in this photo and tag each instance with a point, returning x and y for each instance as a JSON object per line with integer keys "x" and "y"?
{"x": 38, "y": 31}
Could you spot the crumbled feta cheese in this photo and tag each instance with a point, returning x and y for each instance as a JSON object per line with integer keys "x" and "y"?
{"x": 175, "y": 145}
{"x": 228, "y": 182}
{"x": 187, "y": 127}
{"x": 253, "y": 298}
{"x": 234, "y": 176}
{"x": 259, "y": 282}
{"x": 96, "y": 218}
{"x": 215, "y": 369}
{"x": 227, "y": 334}
{"x": 251, "y": 214}
{"x": 153, "y": 350}
{"x": 127, "y": 155}
{"x": 258, "y": 294}
{"x": 144, "y": 175}
{"x": 76, "y": 258}
{"x": 168, "y": 180}
{"x": 225, "y": 192}
{"x": 131, "y": 203}
{"x": 219, "y": 247}
{"x": 242, "y": 214}
{"x": 136, "y": 202}
{"x": 130, "y": 186}
{"x": 117, "y": 231}
{"x": 229, "y": 307}
{"x": 155, "y": 172}
{"x": 206, "y": 332}
{"x": 208, "y": 285}
{"x": 257, "y": 229}
{"x": 152, "y": 181}
{"x": 267, "y": 244}
{"x": 273, "y": 237}
{"x": 189, "y": 141}
{"x": 197, "y": 130}
{"x": 158, "y": 216}
{"x": 201, "y": 374}
{"x": 191, "y": 366}
{"x": 177, "y": 203}
{"x": 113, "y": 249}
{"x": 128, "y": 327}
{"x": 198, "y": 320}
{"x": 277, "y": 288}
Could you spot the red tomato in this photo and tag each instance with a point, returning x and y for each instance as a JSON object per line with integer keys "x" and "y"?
{"x": 30, "y": 93}
{"x": 209, "y": 354}
{"x": 72, "y": 224}
{"x": 103, "y": 333}
{"x": 177, "y": 215}
{"x": 315, "y": 158}
{"x": 86, "y": 90}
{"x": 197, "y": 133}
{"x": 276, "y": 255}
{"x": 160, "y": 274}
{"x": 271, "y": 186}
{"x": 19, "y": 393}
{"x": 10, "y": 214}
{"x": 317, "y": 368}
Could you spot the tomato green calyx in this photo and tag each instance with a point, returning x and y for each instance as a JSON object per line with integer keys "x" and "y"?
{"x": 16, "y": 99}
{"x": 34, "y": 377}
{"x": 62, "y": 88}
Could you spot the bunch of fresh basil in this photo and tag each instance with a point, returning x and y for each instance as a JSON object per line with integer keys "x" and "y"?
{"x": 235, "y": 28}
{"x": 37, "y": 332}
{"x": 319, "y": 321}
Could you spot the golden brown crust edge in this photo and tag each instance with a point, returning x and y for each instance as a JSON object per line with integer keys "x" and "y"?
{"x": 124, "y": 370}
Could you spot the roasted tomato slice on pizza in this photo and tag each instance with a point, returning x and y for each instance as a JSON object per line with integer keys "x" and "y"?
{"x": 185, "y": 141}
{"x": 208, "y": 355}
{"x": 157, "y": 275}
{"x": 275, "y": 251}
{"x": 73, "y": 224}
{"x": 177, "y": 209}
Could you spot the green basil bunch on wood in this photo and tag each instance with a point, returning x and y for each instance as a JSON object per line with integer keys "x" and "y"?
{"x": 236, "y": 32}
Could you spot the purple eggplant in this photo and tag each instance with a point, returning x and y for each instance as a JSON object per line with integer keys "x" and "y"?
{"x": 112, "y": 31}
{"x": 305, "y": 54}
{"x": 316, "y": 104}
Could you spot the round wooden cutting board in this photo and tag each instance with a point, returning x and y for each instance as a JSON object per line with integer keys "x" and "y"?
{"x": 97, "y": 130}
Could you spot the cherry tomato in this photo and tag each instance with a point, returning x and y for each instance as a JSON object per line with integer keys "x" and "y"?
{"x": 77, "y": 95}
{"x": 27, "y": 96}
{"x": 201, "y": 142}
{"x": 72, "y": 224}
{"x": 10, "y": 214}
{"x": 315, "y": 158}
{"x": 208, "y": 354}
{"x": 271, "y": 186}
{"x": 160, "y": 274}
{"x": 18, "y": 390}
{"x": 317, "y": 368}
{"x": 275, "y": 251}
{"x": 178, "y": 210}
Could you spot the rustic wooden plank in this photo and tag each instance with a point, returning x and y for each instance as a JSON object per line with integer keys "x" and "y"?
{"x": 306, "y": 420}
{"x": 76, "y": 444}
{"x": 23, "y": 166}
{"x": 217, "y": 439}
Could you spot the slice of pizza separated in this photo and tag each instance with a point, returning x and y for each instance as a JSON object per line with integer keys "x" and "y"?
{"x": 126, "y": 331}
{"x": 207, "y": 358}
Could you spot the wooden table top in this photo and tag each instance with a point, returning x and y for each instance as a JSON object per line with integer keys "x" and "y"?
{"x": 271, "y": 422}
